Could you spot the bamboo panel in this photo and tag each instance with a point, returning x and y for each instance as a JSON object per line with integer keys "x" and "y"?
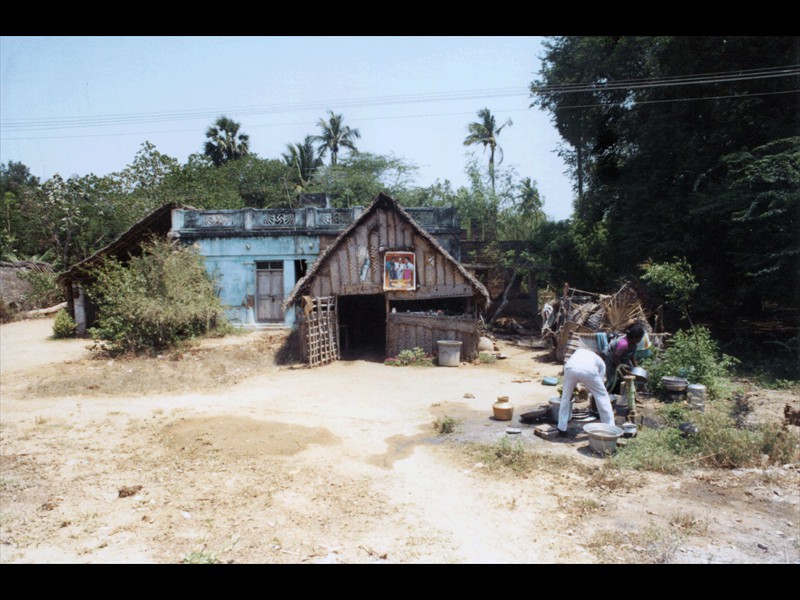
{"x": 430, "y": 267}
{"x": 336, "y": 278}
{"x": 352, "y": 262}
{"x": 448, "y": 272}
{"x": 341, "y": 266}
{"x": 407, "y": 335}
{"x": 439, "y": 270}
{"x": 376, "y": 264}
{"x": 361, "y": 240}
{"x": 408, "y": 235}
{"x": 384, "y": 238}
{"x": 390, "y": 230}
{"x": 321, "y": 332}
{"x": 361, "y": 288}
{"x": 400, "y": 232}
{"x": 324, "y": 284}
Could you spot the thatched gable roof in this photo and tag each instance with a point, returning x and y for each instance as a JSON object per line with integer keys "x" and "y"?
{"x": 381, "y": 201}
{"x": 158, "y": 222}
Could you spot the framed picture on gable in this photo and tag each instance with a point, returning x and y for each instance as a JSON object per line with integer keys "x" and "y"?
{"x": 399, "y": 271}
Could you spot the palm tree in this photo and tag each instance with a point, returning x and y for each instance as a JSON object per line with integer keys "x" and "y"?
{"x": 304, "y": 159}
{"x": 485, "y": 132}
{"x": 530, "y": 202}
{"x": 335, "y": 135}
{"x": 225, "y": 142}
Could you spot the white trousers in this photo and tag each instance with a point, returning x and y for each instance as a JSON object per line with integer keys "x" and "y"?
{"x": 596, "y": 386}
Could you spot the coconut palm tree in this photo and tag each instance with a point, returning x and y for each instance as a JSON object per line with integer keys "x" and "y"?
{"x": 485, "y": 131}
{"x": 304, "y": 159}
{"x": 335, "y": 136}
{"x": 225, "y": 142}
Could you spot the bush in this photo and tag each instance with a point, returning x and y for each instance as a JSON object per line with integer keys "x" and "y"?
{"x": 44, "y": 292}
{"x": 718, "y": 443}
{"x": 414, "y": 357}
{"x": 156, "y": 300}
{"x": 692, "y": 354}
{"x": 64, "y": 325}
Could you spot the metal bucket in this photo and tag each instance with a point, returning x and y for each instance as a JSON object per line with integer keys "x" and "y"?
{"x": 449, "y": 353}
{"x": 555, "y": 405}
{"x": 696, "y": 395}
{"x": 602, "y": 438}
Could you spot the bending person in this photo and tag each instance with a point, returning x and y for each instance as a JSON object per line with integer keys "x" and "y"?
{"x": 586, "y": 367}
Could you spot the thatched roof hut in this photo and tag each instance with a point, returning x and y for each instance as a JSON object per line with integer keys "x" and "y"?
{"x": 385, "y": 285}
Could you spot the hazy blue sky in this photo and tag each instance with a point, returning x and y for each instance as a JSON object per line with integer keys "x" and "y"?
{"x": 409, "y": 96}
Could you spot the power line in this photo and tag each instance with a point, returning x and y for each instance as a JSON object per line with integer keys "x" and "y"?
{"x": 40, "y": 124}
{"x": 706, "y": 78}
{"x": 252, "y": 127}
{"x": 634, "y": 103}
{"x": 130, "y": 119}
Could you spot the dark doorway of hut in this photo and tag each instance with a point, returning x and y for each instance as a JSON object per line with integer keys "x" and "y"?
{"x": 362, "y": 327}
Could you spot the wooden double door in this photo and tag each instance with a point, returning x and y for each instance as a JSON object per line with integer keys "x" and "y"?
{"x": 269, "y": 291}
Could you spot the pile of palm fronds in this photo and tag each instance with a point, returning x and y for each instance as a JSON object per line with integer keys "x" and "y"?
{"x": 622, "y": 310}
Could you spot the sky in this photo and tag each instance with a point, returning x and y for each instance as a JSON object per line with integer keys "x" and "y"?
{"x": 80, "y": 105}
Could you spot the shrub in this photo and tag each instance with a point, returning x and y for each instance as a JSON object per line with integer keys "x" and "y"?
{"x": 414, "y": 357}
{"x": 720, "y": 442}
{"x": 695, "y": 355}
{"x": 44, "y": 291}
{"x": 445, "y": 424}
{"x": 156, "y": 300}
{"x": 64, "y": 325}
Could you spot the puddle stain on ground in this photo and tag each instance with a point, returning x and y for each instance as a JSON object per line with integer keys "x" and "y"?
{"x": 402, "y": 446}
{"x": 243, "y": 436}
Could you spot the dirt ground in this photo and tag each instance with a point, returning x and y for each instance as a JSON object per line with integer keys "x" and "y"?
{"x": 216, "y": 453}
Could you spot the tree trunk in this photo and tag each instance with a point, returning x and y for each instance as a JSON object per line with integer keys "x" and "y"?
{"x": 502, "y": 306}
{"x": 533, "y": 294}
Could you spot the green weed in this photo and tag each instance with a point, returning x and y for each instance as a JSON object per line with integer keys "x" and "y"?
{"x": 486, "y": 358}
{"x": 200, "y": 557}
{"x": 445, "y": 424}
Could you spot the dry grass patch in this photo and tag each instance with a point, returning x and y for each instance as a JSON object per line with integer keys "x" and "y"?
{"x": 195, "y": 365}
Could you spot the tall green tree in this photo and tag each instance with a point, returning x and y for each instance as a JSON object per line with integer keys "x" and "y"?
{"x": 76, "y": 216}
{"x": 644, "y": 119}
{"x": 358, "y": 178}
{"x": 484, "y": 132}
{"x": 225, "y": 143}
{"x": 17, "y": 239}
{"x": 304, "y": 160}
{"x": 335, "y": 135}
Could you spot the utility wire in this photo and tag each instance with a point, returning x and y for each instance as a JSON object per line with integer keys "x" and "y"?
{"x": 635, "y": 103}
{"x": 39, "y": 124}
{"x": 631, "y": 84}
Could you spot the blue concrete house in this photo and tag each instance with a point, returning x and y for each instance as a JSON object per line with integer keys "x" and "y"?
{"x": 258, "y": 255}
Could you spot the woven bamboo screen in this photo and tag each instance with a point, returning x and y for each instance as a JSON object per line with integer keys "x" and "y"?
{"x": 322, "y": 333}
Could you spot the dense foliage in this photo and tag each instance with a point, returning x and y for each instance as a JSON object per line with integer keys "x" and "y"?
{"x": 683, "y": 145}
{"x": 156, "y": 300}
{"x": 692, "y": 354}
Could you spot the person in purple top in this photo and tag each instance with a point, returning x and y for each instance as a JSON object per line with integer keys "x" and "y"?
{"x": 621, "y": 352}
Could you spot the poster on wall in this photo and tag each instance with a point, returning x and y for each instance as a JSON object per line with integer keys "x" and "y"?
{"x": 399, "y": 272}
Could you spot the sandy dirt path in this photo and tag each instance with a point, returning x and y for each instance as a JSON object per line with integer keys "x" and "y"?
{"x": 24, "y": 345}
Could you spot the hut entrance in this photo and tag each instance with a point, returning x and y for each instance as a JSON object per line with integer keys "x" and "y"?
{"x": 362, "y": 326}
